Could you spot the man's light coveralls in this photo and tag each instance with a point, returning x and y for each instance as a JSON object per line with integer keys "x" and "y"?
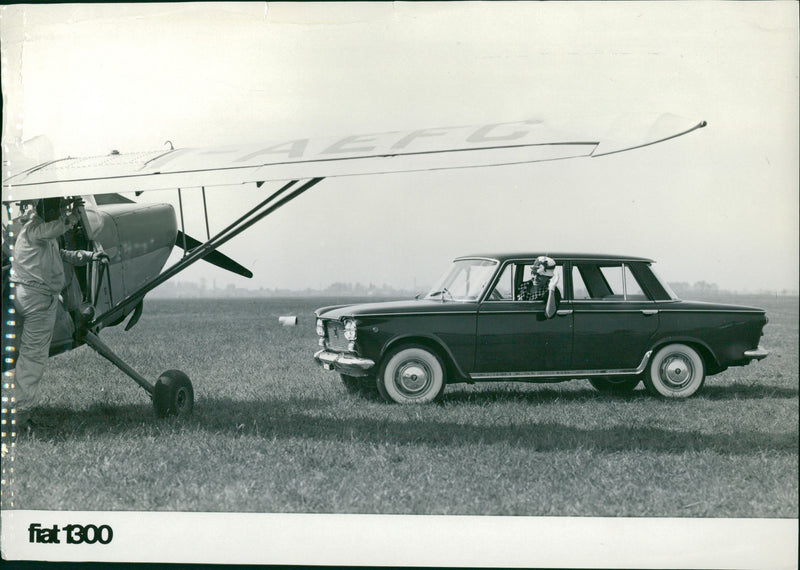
{"x": 37, "y": 270}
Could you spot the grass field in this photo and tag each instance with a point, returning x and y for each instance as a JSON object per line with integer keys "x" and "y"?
{"x": 272, "y": 432}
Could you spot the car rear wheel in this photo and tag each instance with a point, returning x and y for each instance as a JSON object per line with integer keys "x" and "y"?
{"x": 360, "y": 386}
{"x": 411, "y": 375}
{"x": 676, "y": 371}
{"x": 615, "y": 385}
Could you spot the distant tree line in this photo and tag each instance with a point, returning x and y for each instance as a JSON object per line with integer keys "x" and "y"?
{"x": 704, "y": 288}
{"x": 193, "y": 290}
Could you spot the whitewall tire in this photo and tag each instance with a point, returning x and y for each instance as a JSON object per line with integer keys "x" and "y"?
{"x": 411, "y": 375}
{"x": 676, "y": 371}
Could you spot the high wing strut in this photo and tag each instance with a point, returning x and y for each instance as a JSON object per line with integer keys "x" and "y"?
{"x": 262, "y": 210}
{"x": 215, "y": 257}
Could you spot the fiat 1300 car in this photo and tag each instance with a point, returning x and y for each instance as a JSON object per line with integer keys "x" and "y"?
{"x": 609, "y": 319}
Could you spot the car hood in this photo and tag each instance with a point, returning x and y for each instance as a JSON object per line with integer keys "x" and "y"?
{"x": 394, "y": 307}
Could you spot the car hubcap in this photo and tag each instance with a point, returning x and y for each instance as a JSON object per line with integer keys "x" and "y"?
{"x": 412, "y": 377}
{"x": 677, "y": 371}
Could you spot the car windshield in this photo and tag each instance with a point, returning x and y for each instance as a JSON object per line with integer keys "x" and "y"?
{"x": 465, "y": 280}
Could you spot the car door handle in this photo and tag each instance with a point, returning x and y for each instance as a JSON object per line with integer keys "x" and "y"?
{"x": 649, "y": 311}
{"x": 563, "y": 312}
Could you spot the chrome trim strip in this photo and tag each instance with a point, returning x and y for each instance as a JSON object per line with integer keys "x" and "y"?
{"x": 415, "y": 314}
{"x": 611, "y": 258}
{"x": 757, "y": 353}
{"x": 615, "y": 311}
{"x": 627, "y": 301}
{"x": 711, "y": 311}
{"x": 523, "y": 311}
{"x": 565, "y": 373}
{"x": 477, "y": 257}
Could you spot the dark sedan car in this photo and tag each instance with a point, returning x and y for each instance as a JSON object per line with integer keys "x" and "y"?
{"x": 616, "y": 324}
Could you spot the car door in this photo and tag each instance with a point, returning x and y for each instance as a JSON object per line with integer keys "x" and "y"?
{"x": 614, "y": 319}
{"x": 514, "y": 338}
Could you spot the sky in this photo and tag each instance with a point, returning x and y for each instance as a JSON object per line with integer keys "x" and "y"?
{"x": 718, "y": 205}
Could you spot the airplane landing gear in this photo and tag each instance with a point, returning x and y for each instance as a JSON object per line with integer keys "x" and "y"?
{"x": 173, "y": 394}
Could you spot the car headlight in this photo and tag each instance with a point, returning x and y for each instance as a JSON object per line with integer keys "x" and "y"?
{"x": 350, "y": 330}
{"x": 320, "y": 328}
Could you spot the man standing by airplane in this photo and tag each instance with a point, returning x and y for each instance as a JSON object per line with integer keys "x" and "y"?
{"x": 37, "y": 272}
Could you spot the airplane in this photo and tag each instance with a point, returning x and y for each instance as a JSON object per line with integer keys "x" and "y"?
{"x": 138, "y": 238}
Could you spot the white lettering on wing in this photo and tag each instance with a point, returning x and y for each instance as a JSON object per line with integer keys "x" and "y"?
{"x": 482, "y": 134}
{"x": 291, "y": 149}
{"x": 404, "y": 142}
{"x": 341, "y": 146}
{"x": 437, "y": 139}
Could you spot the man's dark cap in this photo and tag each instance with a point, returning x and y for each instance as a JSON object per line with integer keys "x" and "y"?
{"x": 49, "y": 209}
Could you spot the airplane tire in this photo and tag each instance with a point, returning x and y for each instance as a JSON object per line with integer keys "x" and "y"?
{"x": 173, "y": 395}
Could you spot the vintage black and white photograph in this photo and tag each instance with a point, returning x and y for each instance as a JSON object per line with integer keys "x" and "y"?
{"x": 430, "y": 283}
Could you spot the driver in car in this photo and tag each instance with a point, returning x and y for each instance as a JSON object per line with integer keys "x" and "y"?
{"x": 541, "y": 282}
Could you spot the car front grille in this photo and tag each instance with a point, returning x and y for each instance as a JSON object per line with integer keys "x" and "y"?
{"x": 335, "y": 336}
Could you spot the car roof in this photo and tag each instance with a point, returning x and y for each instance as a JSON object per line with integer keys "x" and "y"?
{"x": 558, "y": 256}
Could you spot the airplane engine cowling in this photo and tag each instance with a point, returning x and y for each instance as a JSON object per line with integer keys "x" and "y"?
{"x": 138, "y": 239}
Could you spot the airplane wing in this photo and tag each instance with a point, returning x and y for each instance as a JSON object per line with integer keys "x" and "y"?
{"x": 302, "y": 158}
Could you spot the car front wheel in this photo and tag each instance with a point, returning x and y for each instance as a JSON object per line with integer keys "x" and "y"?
{"x": 676, "y": 371}
{"x": 411, "y": 375}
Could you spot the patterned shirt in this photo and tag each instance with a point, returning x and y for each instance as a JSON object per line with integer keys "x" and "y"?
{"x": 530, "y": 291}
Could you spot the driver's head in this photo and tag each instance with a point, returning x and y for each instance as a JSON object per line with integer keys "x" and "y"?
{"x": 543, "y": 268}
{"x": 50, "y": 209}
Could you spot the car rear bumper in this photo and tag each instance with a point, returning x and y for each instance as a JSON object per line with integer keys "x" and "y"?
{"x": 344, "y": 363}
{"x": 757, "y": 353}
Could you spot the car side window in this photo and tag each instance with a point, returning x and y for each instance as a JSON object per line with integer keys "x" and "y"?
{"x": 513, "y": 276}
{"x": 614, "y": 279}
{"x": 633, "y": 291}
{"x": 615, "y": 282}
{"x": 558, "y": 273}
{"x": 504, "y": 289}
{"x": 525, "y": 274}
{"x": 579, "y": 289}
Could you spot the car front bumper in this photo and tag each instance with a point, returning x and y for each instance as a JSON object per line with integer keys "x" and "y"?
{"x": 757, "y": 353}
{"x": 344, "y": 363}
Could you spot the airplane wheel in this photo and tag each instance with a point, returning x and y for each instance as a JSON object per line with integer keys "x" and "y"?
{"x": 173, "y": 395}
